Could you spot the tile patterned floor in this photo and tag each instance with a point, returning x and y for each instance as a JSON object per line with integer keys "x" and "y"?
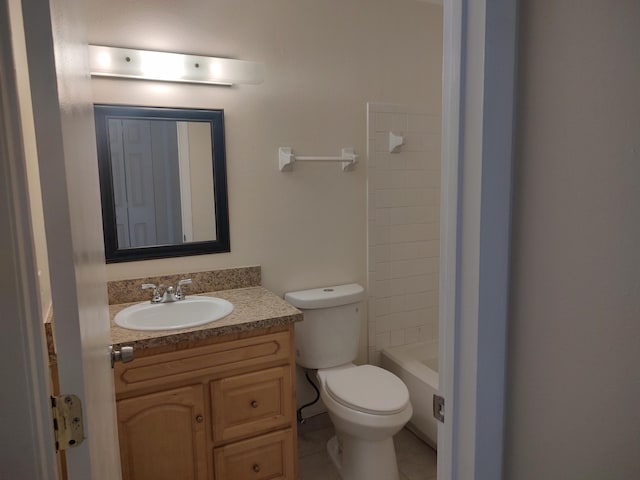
{"x": 416, "y": 460}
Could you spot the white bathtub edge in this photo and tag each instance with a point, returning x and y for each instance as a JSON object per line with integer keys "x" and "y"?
{"x": 422, "y": 383}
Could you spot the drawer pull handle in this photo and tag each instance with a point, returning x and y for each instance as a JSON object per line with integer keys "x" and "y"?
{"x": 199, "y": 418}
{"x": 256, "y": 467}
{"x": 254, "y": 404}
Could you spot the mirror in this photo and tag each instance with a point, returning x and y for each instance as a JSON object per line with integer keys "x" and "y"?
{"x": 163, "y": 181}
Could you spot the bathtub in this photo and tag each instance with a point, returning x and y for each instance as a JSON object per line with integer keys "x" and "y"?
{"x": 417, "y": 366}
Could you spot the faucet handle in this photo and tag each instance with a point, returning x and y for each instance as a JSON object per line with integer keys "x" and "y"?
{"x": 185, "y": 281}
{"x": 156, "y": 293}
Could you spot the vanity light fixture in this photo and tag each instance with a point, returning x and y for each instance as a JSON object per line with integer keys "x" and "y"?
{"x": 172, "y": 67}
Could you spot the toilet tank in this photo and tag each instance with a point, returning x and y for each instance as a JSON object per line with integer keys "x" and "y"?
{"x": 329, "y": 335}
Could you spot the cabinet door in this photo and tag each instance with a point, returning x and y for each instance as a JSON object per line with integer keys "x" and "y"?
{"x": 162, "y": 435}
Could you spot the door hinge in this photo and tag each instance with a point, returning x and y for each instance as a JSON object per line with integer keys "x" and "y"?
{"x": 438, "y": 408}
{"x": 68, "y": 426}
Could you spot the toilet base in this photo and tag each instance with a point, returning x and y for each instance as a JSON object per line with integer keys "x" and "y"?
{"x": 358, "y": 459}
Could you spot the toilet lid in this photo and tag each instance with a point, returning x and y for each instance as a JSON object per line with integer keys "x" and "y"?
{"x": 368, "y": 389}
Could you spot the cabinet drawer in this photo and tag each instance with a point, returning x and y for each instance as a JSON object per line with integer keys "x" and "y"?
{"x": 251, "y": 403}
{"x": 159, "y": 370}
{"x": 266, "y": 457}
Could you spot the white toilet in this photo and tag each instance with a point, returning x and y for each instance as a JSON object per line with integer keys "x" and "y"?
{"x": 367, "y": 405}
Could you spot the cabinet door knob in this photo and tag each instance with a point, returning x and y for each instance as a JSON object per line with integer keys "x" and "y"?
{"x": 256, "y": 467}
{"x": 199, "y": 418}
{"x": 254, "y": 404}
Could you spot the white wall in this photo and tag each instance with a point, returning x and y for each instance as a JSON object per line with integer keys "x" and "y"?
{"x": 324, "y": 61}
{"x": 574, "y": 342}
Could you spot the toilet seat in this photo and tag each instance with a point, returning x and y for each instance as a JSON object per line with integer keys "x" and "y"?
{"x": 367, "y": 389}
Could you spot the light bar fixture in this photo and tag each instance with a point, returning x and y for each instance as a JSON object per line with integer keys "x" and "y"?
{"x": 172, "y": 67}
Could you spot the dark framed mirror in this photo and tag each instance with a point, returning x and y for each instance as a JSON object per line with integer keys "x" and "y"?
{"x": 163, "y": 181}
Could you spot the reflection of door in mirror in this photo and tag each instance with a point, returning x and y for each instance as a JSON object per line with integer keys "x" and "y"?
{"x": 196, "y": 181}
{"x": 162, "y": 180}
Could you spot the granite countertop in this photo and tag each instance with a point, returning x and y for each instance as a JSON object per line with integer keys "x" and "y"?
{"x": 254, "y": 308}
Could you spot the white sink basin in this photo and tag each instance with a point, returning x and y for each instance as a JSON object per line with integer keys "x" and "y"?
{"x": 190, "y": 312}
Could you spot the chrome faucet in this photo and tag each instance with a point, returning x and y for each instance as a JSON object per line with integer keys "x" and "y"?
{"x": 162, "y": 294}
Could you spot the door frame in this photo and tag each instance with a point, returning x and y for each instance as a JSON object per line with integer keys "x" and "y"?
{"x": 479, "y": 84}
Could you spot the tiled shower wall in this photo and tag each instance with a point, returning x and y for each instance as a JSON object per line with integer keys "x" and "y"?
{"x": 403, "y": 227}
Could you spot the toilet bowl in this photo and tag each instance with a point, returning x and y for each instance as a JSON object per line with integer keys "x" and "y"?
{"x": 367, "y": 405}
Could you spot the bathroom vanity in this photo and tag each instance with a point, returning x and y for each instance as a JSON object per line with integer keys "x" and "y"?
{"x": 225, "y": 407}
{"x": 216, "y": 401}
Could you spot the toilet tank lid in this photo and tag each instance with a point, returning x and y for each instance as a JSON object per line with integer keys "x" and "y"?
{"x": 325, "y": 297}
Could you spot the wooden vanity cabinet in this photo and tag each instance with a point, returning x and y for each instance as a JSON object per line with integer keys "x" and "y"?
{"x": 221, "y": 409}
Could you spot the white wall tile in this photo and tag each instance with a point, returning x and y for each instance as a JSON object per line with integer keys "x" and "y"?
{"x": 371, "y": 232}
{"x": 381, "y": 234}
{"x": 383, "y": 271}
{"x": 382, "y": 253}
{"x": 422, "y": 179}
{"x": 421, "y": 196}
{"x": 399, "y": 215}
{"x": 426, "y": 333}
{"x": 387, "y": 198}
{"x": 423, "y": 123}
{"x": 382, "y": 144}
{"x": 371, "y": 210}
{"x": 382, "y": 216}
{"x": 421, "y": 300}
{"x": 414, "y": 232}
{"x": 412, "y": 319}
{"x": 383, "y": 160}
{"x": 382, "y": 288}
{"x": 422, "y": 214}
{"x": 387, "y": 305}
{"x": 399, "y": 123}
{"x": 371, "y": 306}
{"x": 386, "y": 323}
{"x": 432, "y": 163}
{"x": 404, "y": 213}
{"x": 414, "y": 250}
{"x": 412, "y": 335}
{"x": 383, "y": 340}
{"x": 372, "y": 355}
{"x": 397, "y": 338}
{"x": 408, "y": 268}
{"x": 372, "y": 333}
{"x": 371, "y": 261}
{"x": 397, "y": 179}
{"x": 371, "y": 146}
{"x": 376, "y": 357}
{"x": 382, "y": 122}
{"x": 414, "y": 142}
